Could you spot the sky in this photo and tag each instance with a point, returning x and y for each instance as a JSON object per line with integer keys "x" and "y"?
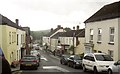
{"x": 47, "y": 14}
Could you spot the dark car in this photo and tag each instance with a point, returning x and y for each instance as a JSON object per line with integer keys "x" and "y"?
{"x": 75, "y": 61}
{"x": 64, "y": 59}
{"x": 29, "y": 61}
{"x": 4, "y": 65}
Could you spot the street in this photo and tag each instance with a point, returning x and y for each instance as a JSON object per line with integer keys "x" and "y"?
{"x": 50, "y": 64}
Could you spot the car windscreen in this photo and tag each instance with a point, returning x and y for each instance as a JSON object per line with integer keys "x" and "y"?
{"x": 103, "y": 58}
{"x": 78, "y": 58}
{"x": 29, "y": 58}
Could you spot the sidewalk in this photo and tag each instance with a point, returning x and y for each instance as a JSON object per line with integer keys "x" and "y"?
{"x": 15, "y": 69}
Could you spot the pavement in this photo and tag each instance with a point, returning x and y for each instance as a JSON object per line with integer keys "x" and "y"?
{"x": 15, "y": 69}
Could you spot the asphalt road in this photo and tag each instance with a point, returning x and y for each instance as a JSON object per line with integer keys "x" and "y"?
{"x": 51, "y": 64}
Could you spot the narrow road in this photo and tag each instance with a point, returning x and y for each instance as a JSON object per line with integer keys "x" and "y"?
{"x": 51, "y": 64}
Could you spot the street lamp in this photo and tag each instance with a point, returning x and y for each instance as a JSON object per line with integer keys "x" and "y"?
{"x": 73, "y": 40}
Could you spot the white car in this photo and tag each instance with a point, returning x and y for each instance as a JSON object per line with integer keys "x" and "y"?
{"x": 114, "y": 68}
{"x": 97, "y": 62}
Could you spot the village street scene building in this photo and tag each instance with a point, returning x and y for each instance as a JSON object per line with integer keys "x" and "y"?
{"x": 12, "y": 39}
{"x": 102, "y": 31}
{"x": 92, "y": 49}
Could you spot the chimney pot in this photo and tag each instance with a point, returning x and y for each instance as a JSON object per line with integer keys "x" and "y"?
{"x": 77, "y": 27}
{"x": 17, "y": 21}
{"x": 73, "y": 28}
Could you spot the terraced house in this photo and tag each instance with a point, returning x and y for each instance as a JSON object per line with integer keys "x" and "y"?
{"x": 10, "y": 35}
{"x": 102, "y": 31}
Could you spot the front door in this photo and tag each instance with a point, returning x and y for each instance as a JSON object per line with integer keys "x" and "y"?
{"x": 87, "y": 49}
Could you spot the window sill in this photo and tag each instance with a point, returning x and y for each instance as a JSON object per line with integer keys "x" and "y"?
{"x": 111, "y": 43}
{"x": 99, "y": 42}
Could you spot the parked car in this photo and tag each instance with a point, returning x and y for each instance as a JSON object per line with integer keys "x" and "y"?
{"x": 75, "y": 61}
{"x": 64, "y": 59}
{"x": 29, "y": 61}
{"x": 114, "y": 68}
{"x": 97, "y": 62}
{"x": 36, "y": 46}
{"x": 35, "y": 53}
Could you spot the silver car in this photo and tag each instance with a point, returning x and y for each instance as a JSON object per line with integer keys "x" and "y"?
{"x": 115, "y": 68}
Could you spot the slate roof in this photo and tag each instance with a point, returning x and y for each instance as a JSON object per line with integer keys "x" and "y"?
{"x": 79, "y": 33}
{"x": 50, "y": 33}
{"x": 57, "y": 35}
{"x": 109, "y": 11}
{"x": 5, "y": 21}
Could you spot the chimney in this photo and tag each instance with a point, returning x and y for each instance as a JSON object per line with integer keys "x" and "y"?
{"x": 17, "y": 21}
{"x": 73, "y": 28}
{"x": 59, "y": 26}
{"x": 51, "y": 30}
{"x": 77, "y": 27}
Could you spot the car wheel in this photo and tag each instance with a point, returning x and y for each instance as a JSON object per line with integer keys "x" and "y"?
{"x": 68, "y": 64}
{"x": 21, "y": 68}
{"x": 61, "y": 62}
{"x": 84, "y": 69}
{"x": 109, "y": 71}
{"x": 38, "y": 64}
{"x": 36, "y": 68}
{"x": 95, "y": 70}
{"x": 74, "y": 66}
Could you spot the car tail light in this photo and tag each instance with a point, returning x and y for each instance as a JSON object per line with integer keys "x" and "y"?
{"x": 34, "y": 60}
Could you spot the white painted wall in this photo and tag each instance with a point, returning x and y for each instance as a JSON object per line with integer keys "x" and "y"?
{"x": 80, "y": 48}
{"x": 104, "y": 25}
{"x": 20, "y": 43}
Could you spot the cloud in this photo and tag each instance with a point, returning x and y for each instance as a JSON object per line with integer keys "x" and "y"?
{"x": 46, "y": 14}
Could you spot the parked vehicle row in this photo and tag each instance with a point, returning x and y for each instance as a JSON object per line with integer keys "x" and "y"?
{"x": 74, "y": 61}
{"x": 96, "y": 62}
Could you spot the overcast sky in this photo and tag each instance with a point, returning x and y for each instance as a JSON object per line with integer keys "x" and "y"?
{"x": 47, "y": 14}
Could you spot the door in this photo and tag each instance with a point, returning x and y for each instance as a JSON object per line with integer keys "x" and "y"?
{"x": 91, "y": 62}
{"x": 87, "y": 49}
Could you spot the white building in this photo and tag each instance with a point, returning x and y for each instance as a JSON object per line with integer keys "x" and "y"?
{"x": 21, "y": 35}
{"x": 102, "y": 31}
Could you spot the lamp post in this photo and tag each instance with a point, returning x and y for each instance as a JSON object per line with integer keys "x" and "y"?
{"x": 73, "y": 40}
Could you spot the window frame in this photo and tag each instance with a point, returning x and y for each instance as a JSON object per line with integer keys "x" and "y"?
{"x": 111, "y": 33}
{"x": 99, "y": 38}
{"x": 91, "y": 35}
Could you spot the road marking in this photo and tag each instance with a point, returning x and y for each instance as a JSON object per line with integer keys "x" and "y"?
{"x": 43, "y": 58}
{"x": 55, "y": 67}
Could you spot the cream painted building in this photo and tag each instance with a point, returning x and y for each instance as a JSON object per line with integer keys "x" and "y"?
{"x": 102, "y": 31}
{"x": 8, "y": 38}
{"x": 21, "y": 34}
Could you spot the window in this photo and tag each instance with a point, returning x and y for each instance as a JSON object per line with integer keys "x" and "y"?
{"x": 9, "y": 37}
{"x": 99, "y": 34}
{"x": 112, "y": 31}
{"x": 91, "y": 34}
{"x": 103, "y": 58}
{"x": 17, "y": 39}
{"x": 110, "y": 52}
